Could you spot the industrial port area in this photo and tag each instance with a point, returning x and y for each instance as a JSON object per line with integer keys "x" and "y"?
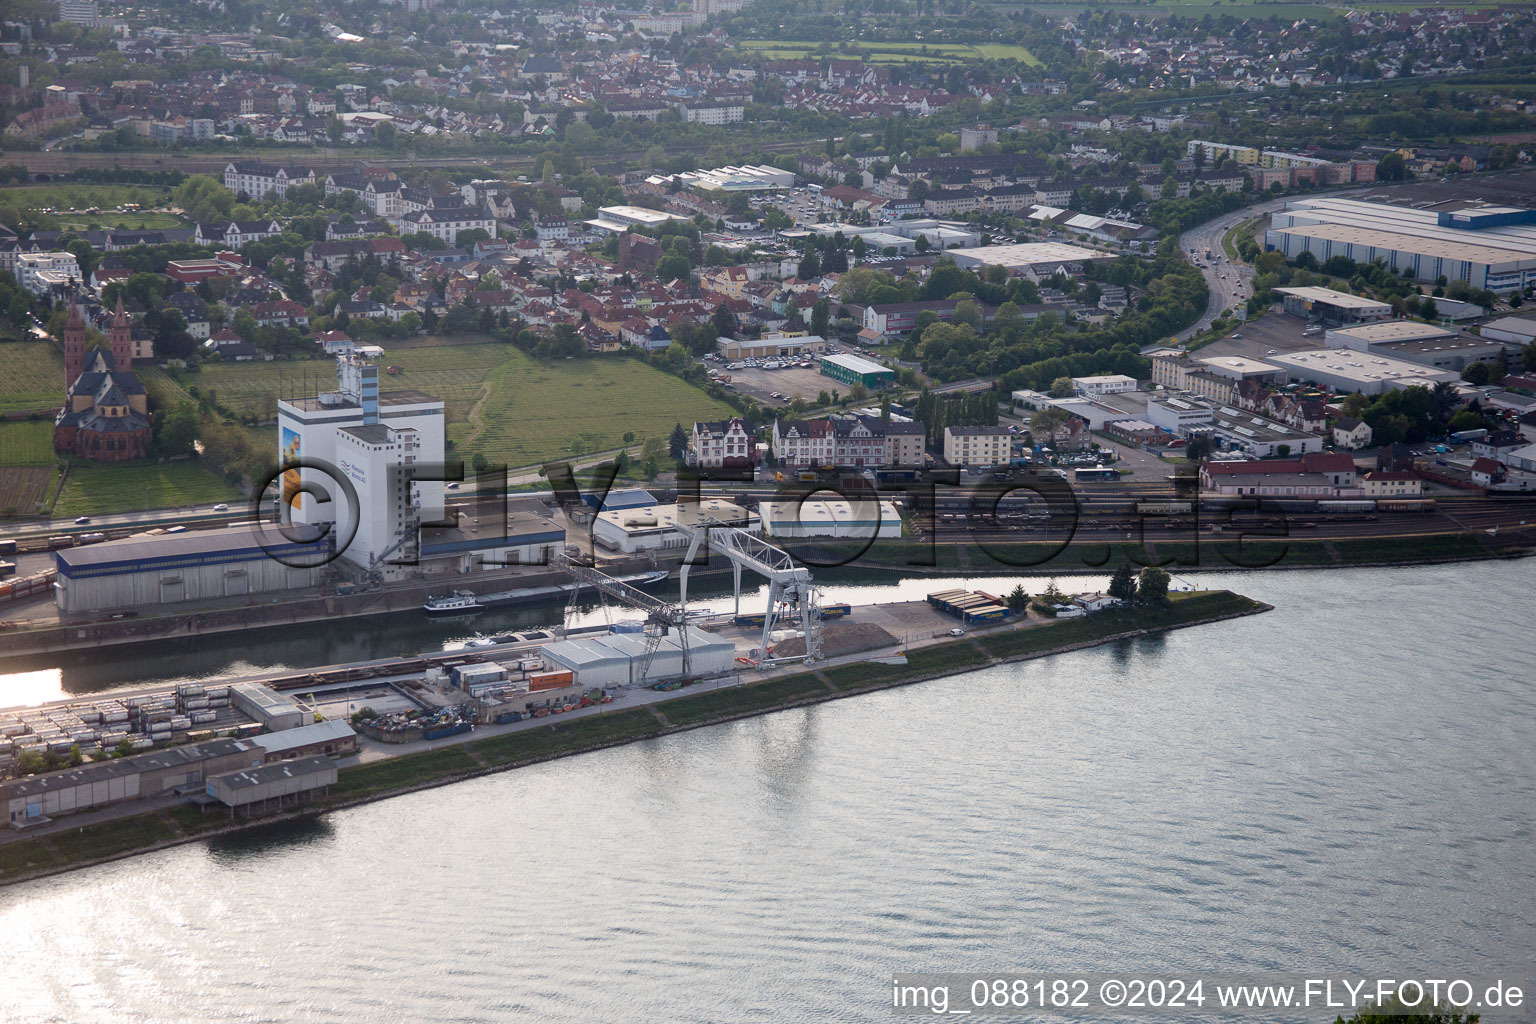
{"x": 123, "y": 752}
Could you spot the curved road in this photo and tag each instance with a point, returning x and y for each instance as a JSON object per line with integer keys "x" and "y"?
{"x": 1238, "y": 275}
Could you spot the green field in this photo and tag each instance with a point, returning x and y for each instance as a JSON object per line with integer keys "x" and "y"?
{"x": 500, "y": 403}
{"x": 26, "y": 443}
{"x": 82, "y": 196}
{"x": 891, "y": 53}
{"x": 127, "y": 221}
{"x": 31, "y": 376}
{"x": 96, "y": 489}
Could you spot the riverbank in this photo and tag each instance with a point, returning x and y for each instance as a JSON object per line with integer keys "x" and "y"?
{"x": 29, "y": 858}
{"x": 914, "y": 557}
{"x": 1097, "y": 558}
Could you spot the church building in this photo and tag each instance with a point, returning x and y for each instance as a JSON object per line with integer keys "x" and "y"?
{"x": 106, "y": 413}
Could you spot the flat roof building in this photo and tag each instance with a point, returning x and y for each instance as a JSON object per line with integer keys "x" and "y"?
{"x": 146, "y": 571}
{"x": 1327, "y": 304}
{"x": 1346, "y": 371}
{"x": 619, "y": 219}
{"x": 1426, "y": 344}
{"x": 659, "y": 527}
{"x": 1240, "y": 368}
{"x": 1486, "y": 246}
{"x": 1043, "y": 258}
{"x": 857, "y": 370}
{"x": 860, "y": 520}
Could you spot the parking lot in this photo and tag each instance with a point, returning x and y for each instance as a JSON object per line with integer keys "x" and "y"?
{"x": 1275, "y": 332}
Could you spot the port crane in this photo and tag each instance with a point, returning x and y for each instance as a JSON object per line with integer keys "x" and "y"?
{"x": 662, "y": 618}
{"x": 791, "y": 594}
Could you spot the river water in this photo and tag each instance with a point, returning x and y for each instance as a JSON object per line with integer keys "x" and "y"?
{"x": 1343, "y": 785}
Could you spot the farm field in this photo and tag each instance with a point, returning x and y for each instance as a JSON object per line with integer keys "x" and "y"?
{"x": 26, "y": 443}
{"x": 24, "y": 490}
{"x": 499, "y": 402}
{"x": 93, "y": 489}
{"x": 892, "y": 53}
{"x": 31, "y": 376}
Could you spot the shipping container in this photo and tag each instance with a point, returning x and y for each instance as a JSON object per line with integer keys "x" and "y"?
{"x": 550, "y": 680}
{"x": 204, "y": 717}
{"x": 446, "y": 730}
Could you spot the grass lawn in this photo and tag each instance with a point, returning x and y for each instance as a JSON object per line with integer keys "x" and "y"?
{"x": 108, "y": 219}
{"x": 31, "y": 376}
{"x": 82, "y": 196}
{"x": 93, "y": 489}
{"x": 26, "y": 443}
{"x": 500, "y": 403}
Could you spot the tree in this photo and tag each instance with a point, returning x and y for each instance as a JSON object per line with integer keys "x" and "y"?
{"x": 1199, "y": 447}
{"x": 1018, "y": 599}
{"x": 677, "y": 443}
{"x": 1122, "y": 584}
{"x": 1477, "y": 374}
{"x": 810, "y": 264}
{"x": 821, "y": 314}
{"x": 203, "y": 198}
{"x": 384, "y": 134}
{"x": 1061, "y": 387}
{"x": 1152, "y": 585}
{"x": 1528, "y": 356}
{"x": 1043, "y": 424}
{"x": 179, "y": 429}
{"x": 1466, "y": 419}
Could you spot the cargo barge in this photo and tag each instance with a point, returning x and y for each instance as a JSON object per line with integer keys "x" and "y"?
{"x": 466, "y": 603}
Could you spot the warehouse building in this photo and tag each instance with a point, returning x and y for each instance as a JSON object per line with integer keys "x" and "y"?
{"x": 1037, "y": 260}
{"x": 484, "y": 542}
{"x": 275, "y": 712}
{"x": 1518, "y": 330}
{"x": 656, "y": 527}
{"x": 145, "y": 572}
{"x": 37, "y": 798}
{"x": 1345, "y": 371}
{"x": 1426, "y": 344}
{"x": 860, "y": 520}
{"x": 333, "y": 739}
{"x": 771, "y": 346}
{"x": 1491, "y": 247}
{"x": 857, "y": 370}
{"x": 618, "y": 659}
{"x": 1327, "y": 304}
{"x": 273, "y": 785}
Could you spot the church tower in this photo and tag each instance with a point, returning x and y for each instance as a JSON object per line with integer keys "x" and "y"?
{"x": 74, "y": 346}
{"x": 121, "y": 339}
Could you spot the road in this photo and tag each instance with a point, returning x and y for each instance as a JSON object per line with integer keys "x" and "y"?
{"x": 1238, "y": 276}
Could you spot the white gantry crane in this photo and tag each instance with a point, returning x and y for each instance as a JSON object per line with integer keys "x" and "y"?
{"x": 792, "y": 597}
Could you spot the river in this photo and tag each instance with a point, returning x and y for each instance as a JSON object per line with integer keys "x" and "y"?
{"x": 1342, "y": 785}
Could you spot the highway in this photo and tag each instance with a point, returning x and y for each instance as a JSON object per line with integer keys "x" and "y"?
{"x": 1238, "y": 276}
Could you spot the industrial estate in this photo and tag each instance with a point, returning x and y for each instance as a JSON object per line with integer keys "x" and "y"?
{"x": 559, "y": 373}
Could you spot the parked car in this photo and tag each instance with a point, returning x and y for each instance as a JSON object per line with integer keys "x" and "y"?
{"x": 957, "y": 632}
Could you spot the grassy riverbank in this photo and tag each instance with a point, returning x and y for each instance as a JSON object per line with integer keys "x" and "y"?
{"x": 62, "y": 851}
